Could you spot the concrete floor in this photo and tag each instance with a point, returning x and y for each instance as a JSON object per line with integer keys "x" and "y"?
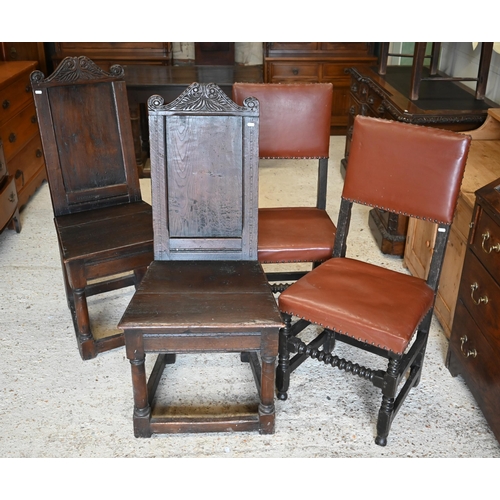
{"x": 53, "y": 404}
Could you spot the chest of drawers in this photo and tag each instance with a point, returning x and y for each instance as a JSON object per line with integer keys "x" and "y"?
{"x": 289, "y": 62}
{"x": 474, "y": 349}
{"x": 9, "y": 212}
{"x": 19, "y": 128}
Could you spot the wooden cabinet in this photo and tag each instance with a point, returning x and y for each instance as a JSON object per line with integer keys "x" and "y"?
{"x": 483, "y": 166}
{"x": 442, "y": 104}
{"x": 19, "y": 128}
{"x": 105, "y": 54}
{"x": 288, "y": 62}
{"x": 474, "y": 349}
{"x": 24, "y": 51}
{"x": 9, "y": 211}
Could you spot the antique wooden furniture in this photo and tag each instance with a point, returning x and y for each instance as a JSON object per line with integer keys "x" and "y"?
{"x": 474, "y": 348}
{"x": 442, "y": 104}
{"x": 103, "y": 227}
{"x": 214, "y": 53}
{"x": 405, "y": 169}
{"x": 294, "y": 123}
{"x": 289, "y": 62}
{"x": 483, "y": 166}
{"x": 169, "y": 82}
{"x": 106, "y": 54}
{"x": 24, "y": 51}
{"x": 205, "y": 290}
{"x": 418, "y": 58}
{"x": 9, "y": 211}
{"x": 19, "y": 129}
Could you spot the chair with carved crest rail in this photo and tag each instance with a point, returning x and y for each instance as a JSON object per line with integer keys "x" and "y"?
{"x": 408, "y": 169}
{"x": 294, "y": 123}
{"x": 205, "y": 290}
{"x": 104, "y": 229}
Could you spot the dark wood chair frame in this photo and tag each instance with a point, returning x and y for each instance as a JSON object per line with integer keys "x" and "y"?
{"x": 205, "y": 291}
{"x": 104, "y": 228}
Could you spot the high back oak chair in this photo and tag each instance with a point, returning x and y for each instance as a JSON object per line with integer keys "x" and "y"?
{"x": 205, "y": 290}
{"x": 104, "y": 229}
{"x": 294, "y": 123}
{"x": 405, "y": 169}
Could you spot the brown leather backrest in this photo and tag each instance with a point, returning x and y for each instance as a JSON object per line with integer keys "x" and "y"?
{"x": 294, "y": 118}
{"x": 406, "y": 169}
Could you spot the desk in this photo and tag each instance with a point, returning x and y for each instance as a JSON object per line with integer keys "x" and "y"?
{"x": 441, "y": 104}
{"x": 143, "y": 81}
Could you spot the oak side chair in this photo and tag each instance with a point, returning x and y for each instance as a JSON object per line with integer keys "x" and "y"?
{"x": 402, "y": 168}
{"x": 104, "y": 229}
{"x": 294, "y": 123}
{"x": 205, "y": 290}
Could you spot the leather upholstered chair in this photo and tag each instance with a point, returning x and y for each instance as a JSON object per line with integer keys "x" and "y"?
{"x": 402, "y": 168}
{"x": 104, "y": 229}
{"x": 205, "y": 290}
{"x": 294, "y": 123}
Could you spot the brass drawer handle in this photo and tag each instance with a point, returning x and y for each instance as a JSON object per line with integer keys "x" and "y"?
{"x": 5, "y": 104}
{"x": 295, "y": 71}
{"x": 481, "y": 300}
{"x": 12, "y": 137}
{"x": 472, "y": 353}
{"x": 486, "y": 237}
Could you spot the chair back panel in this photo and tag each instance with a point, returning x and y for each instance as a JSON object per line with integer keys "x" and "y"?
{"x": 86, "y": 136}
{"x": 398, "y": 167}
{"x": 294, "y": 118}
{"x": 204, "y": 176}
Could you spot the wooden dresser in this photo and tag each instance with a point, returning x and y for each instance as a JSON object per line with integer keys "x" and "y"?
{"x": 442, "y": 104}
{"x": 105, "y": 54}
{"x": 288, "y": 62}
{"x": 483, "y": 166}
{"x": 474, "y": 349}
{"x": 9, "y": 211}
{"x": 19, "y": 128}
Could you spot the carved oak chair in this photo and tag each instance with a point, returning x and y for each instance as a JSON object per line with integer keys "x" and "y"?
{"x": 294, "y": 123}
{"x": 104, "y": 229}
{"x": 405, "y": 169}
{"x": 205, "y": 290}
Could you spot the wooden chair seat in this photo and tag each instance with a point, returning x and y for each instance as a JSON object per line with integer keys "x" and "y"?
{"x": 295, "y": 234}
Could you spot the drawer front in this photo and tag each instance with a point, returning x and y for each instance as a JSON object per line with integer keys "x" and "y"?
{"x": 14, "y": 97}
{"x": 486, "y": 244}
{"x": 18, "y": 131}
{"x": 27, "y": 163}
{"x": 478, "y": 365}
{"x": 334, "y": 71}
{"x": 292, "y": 71}
{"x": 481, "y": 296}
{"x": 8, "y": 202}
{"x": 463, "y": 217}
{"x": 3, "y": 164}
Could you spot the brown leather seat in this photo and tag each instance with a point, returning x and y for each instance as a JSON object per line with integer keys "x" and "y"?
{"x": 407, "y": 169}
{"x": 294, "y": 123}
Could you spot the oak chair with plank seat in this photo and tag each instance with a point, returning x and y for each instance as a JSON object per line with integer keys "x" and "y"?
{"x": 406, "y": 169}
{"x": 104, "y": 229}
{"x": 294, "y": 123}
{"x": 205, "y": 290}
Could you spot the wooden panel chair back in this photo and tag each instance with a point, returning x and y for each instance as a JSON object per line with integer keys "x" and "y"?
{"x": 86, "y": 136}
{"x": 204, "y": 176}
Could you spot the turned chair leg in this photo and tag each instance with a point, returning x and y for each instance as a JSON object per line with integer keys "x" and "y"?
{"x": 386, "y": 412}
{"x": 283, "y": 368}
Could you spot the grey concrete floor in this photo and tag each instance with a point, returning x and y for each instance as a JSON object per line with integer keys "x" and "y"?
{"x": 53, "y": 404}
